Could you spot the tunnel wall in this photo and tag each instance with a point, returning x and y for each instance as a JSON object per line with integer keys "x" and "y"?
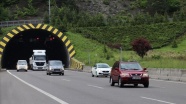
{"x": 48, "y": 28}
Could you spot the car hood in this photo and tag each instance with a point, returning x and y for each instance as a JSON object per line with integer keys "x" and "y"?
{"x": 133, "y": 71}
{"x": 56, "y": 67}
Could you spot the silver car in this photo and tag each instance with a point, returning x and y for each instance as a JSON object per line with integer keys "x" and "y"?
{"x": 55, "y": 67}
{"x": 22, "y": 65}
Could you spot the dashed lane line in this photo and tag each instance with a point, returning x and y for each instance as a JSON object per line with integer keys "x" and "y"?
{"x": 96, "y": 86}
{"x": 157, "y": 100}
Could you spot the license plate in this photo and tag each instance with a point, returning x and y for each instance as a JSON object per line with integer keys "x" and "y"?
{"x": 136, "y": 77}
{"x": 105, "y": 73}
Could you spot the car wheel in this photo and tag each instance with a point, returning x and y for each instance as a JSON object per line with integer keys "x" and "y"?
{"x": 46, "y": 73}
{"x": 49, "y": 73}
{"x": 135, "y": 85}
{"x": 120, "y": 84}
{"x": 146, "y": 85}
{"x": 97, "y": 74}
{"x": 17, "y": 70}
{"x": 92, "y": 75}
{"x": 62, "y": 73}
{"x": 111, "y": 82}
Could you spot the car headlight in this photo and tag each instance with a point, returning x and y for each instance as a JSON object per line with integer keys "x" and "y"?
{"x": 145, "y": 75}
{"x": 50, "y": 68}
{"x": 124, "y": 75}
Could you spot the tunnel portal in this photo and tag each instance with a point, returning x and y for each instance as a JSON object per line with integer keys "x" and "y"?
{"x": 21, "y": 45}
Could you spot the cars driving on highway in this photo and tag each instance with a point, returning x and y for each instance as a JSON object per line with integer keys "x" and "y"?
{"x": 22, "y": 65}
{"x": 101, "y": 69}
{"x": 128, "y": 73}
{"x": 55, "y": 67}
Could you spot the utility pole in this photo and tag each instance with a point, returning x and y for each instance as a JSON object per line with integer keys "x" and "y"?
{"x": 49, "y": 11}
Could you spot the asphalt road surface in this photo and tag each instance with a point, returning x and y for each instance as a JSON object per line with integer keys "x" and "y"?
{"x": 35, "y": 87}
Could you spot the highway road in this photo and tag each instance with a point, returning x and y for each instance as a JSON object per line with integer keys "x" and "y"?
{"x": 35, "y": 87}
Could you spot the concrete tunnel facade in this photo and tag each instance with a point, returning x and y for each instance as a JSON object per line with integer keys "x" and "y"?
{"x": 20, "y": 42}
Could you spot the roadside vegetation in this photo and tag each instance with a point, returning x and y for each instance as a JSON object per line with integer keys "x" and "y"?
{"x": 90, "y": 51}
{"x": 99, "y": 37}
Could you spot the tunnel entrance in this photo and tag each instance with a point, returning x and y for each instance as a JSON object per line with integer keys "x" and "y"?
{"x": 20, "y": 45}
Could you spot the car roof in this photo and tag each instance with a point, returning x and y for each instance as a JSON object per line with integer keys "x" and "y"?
{"x": 129, "y": 62}
{"x": 21, "y": 60}
{"x": 101, "y": 63}
{"x": 54, "y": 60}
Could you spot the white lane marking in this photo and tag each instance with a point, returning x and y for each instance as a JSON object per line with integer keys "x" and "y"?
{"x": 157, "y": 87}
{"x": 157, "y": 100}
{"x": 95, "y": 86}
{"x": 66, "y": 80}
{"x": 168, "y": 81}
{"x": 40, "y": 90}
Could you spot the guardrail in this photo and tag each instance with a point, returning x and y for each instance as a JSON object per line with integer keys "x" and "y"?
{"x": 19, "y": 22}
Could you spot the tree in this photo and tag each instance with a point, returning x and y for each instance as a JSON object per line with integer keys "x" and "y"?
{"x": 162, "y": 6}
{"x": 141, "y": 46}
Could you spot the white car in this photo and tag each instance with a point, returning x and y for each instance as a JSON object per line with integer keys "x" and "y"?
{"x": 101, "y": 69}
{"x": 22, "y": 65}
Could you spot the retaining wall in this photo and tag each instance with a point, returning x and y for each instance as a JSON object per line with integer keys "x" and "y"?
{"x": 168, "y": 74}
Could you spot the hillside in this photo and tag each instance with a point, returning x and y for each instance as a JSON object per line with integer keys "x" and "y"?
{"x": 99, "y": 22}
{"x": 106, "y": 7}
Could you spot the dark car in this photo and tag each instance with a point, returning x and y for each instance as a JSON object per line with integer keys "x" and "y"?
{"x": 128, "y": 73}
{"x": 55, "y": 67}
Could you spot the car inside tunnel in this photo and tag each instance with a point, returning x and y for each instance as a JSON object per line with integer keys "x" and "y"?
{"x": 21, "y": 46}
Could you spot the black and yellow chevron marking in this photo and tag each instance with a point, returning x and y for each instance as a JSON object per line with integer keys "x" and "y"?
{"x": 51, "y": 29}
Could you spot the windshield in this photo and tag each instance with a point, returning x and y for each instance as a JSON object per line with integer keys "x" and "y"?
{"x": 55, "y": 63}
{"x": 22, "y": 62}
{"x": 103, "y": 66}
{"x": 39, "y": 57}
{"x": 130, "y": 66}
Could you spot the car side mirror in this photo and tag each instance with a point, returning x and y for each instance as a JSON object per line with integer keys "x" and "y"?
{"x": 145, "y": 69}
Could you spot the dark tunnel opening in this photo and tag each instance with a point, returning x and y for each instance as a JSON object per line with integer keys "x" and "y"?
{"x": 21, "y": 46}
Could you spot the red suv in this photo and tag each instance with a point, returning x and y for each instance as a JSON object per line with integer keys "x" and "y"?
{"x": 128, "y": 73}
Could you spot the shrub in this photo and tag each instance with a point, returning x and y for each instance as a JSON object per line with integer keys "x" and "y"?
{"x": 141, "y": 46}
{"x": 174, "y": 44}
{"x": 155, "y": 56}
{"x": 106, "y": 2}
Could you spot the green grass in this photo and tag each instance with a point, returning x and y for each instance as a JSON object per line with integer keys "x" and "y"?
{"x": 90, "y": 51}
{"x": 166, "y": 57}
